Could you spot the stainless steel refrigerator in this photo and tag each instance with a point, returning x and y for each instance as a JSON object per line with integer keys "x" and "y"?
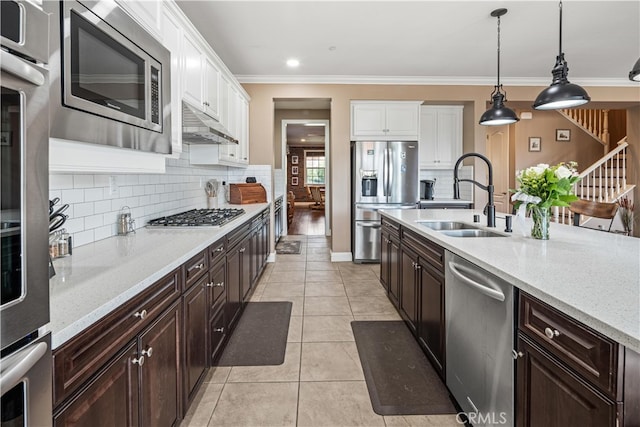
{"x": 384, "y": 176}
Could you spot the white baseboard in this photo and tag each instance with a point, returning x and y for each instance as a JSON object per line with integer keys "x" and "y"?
{"x": 341, "y": 257}
{"x": 271, "y": 257}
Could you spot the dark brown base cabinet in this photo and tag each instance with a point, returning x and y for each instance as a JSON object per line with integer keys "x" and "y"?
{"x": 570, "y": 375}
{"x": 143, "y": 364}
{"x": 141, "y": 386}
{"x": 412, "y": 271}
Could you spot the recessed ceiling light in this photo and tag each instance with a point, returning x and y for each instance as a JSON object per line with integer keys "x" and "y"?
{"x": 332, "y": 48}
{"x": 292, "y": 63}
{"x": 303, "y": 140}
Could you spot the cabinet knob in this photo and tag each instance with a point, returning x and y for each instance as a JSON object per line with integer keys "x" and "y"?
{"x": 141, "y": 314}
{"x": 516, "y": 354}
{"x": 138, "y": 361}
{"x": 242, "y": 249}
{"x": 221, "y": 330}
{"x": 148, "y": 352}
{"x": 551, "y": 333}
{"x": 219, "y": 285}
{"x": 199, "y": 266}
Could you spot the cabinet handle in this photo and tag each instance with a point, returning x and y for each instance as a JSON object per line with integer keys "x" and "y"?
{"x": 551, "y": 333}
{"x": 242, "y": 249}
{"x": 199, "y": 266}
{"x": 219, "y": 285}
{"x": 221, "y": 330}
{"x": 138, "y": 361}
{"x": 516, "y": 354}
{"x": 209, "y": 285}
{"x": 220, "y": 249}
{"x": 148, "y": 352}
{"x": 141, "y": 314}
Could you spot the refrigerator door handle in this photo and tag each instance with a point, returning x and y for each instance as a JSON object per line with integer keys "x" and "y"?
{"x": 385, "y": 166}
{"x": 389, "y": 173}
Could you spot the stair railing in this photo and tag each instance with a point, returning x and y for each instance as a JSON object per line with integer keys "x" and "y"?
{"x": 603, "y": 181}
{"x": 594, "y": 122}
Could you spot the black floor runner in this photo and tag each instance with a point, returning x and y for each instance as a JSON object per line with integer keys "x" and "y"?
{"x": 400, "y": 379}
{"x": 260, "y": 338}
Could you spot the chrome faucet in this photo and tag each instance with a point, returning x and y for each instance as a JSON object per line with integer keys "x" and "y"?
{"x": 490, "y": 209}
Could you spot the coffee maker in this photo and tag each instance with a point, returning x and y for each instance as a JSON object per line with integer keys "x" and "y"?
{"x": 426, "y": 189}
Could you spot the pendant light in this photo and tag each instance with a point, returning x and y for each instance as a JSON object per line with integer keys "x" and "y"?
{"x": 634, "y": 74}
{"x": 498, "y": 114}
{"x": 561, "y": 93}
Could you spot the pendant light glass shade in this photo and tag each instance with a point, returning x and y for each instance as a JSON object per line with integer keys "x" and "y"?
{"x": 561, "y": 93}
{"x": 634, "y": 74}
{"x": 498, "y": 114}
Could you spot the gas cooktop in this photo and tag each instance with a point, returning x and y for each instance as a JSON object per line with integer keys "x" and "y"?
{"x": 198, "y": 218}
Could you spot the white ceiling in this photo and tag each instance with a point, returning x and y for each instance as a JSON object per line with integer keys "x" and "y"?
{"x": 420, "y": 41}
{"x": 312, "y": 135}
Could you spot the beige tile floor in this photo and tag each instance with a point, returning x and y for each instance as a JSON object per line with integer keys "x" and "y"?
{"x": 321, "y": 382}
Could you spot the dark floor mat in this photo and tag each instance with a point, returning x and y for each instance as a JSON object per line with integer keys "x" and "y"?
{"x": 289, "y": 247}
{"x": 260, "y": 338}
{"x": 400, "y": 379}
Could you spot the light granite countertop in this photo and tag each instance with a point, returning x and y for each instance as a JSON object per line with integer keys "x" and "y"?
{"x": 101, "y": 276}
{"x": 590, "y": 275}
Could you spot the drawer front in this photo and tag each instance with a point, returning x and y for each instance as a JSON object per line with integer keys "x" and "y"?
{"x": 218, "y": 286}
{"x": 589, "y": 353}
{"x": 81, "y": 357}
{"x": 216, "y": 252}
{"x": 238, "y": 235}
{"x": 195, "y": 268}
{"x": 392, "y": 227}
{"x": 428, "y": 251}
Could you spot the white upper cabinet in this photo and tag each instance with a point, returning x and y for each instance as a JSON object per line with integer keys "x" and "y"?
{"x": 192, "y": 75}
{"x": 211, "y": 97}
{"x": 384, "y": 120}
{"x": 440, "y": 136}
{"x": 147, "y": 13}
{"x": 172, "y": 40}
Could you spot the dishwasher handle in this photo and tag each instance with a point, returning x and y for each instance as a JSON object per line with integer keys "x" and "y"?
{"x": 482, "y": 288}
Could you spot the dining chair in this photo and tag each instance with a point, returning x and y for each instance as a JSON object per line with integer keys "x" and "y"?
{"x": 603, "y": 210}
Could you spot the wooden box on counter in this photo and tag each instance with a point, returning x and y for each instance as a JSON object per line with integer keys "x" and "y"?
{"x": 240, "y": 194}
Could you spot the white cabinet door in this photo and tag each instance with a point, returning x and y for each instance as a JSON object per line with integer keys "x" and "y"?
{"x": 172, "y": 40}
{"x": 224, "y": 102}
{"x": 440, "y": 136}
{"x": 192, "y": 82}
{"x": 146, "y": 12}
{"x": 244, "y": 131}
{"x": 212, "y": 91}
{"x": 385, "y": 120}
{"x": 367, "y": 120}
{"x": 402, "y": 120}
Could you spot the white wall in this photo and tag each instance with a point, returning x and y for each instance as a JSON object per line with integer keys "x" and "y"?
{"x": 94, "y": 207}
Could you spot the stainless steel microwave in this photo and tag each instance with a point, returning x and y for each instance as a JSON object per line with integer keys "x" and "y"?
{"x": 110, "y": 79}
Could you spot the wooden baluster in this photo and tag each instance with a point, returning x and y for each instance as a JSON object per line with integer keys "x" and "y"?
{"x": 605, "y": 129}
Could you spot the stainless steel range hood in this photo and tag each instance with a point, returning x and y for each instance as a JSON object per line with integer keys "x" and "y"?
{"x": 199, "y": 128}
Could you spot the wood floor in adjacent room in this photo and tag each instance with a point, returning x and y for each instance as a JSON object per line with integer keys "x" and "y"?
{"x": 307, "y": 221}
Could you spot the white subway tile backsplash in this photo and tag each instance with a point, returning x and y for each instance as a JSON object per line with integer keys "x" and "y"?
{"x": 96, "y": 200}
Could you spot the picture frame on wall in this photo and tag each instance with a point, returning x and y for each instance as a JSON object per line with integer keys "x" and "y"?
{"x": 294, "y": 170}
{"x": 294, "y": 181}
{"x": 294, "y": 160}
{"x": 563, "y": 134}
{"x": 535, "y": 143}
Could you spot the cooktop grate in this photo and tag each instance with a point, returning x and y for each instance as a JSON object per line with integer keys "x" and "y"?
{"x": 198, "y": 218}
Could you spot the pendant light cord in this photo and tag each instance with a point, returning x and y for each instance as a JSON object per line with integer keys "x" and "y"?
{"x": 560, "y": 36}
{"x": 498, "y": 86}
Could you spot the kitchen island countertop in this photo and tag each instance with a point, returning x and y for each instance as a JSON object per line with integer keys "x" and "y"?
{"x": 590, "y": 275}
{"x": 101, "y": 276}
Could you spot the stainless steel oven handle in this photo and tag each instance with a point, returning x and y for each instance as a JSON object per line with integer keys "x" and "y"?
{"x": 17, "y": 67}
{"x": 484, "y": 289}
{"x": 19, "y": 364}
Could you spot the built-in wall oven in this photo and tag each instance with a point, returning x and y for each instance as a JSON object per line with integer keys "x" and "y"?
{"x": 25, "y": 350}
{"x": 110, "y": 79}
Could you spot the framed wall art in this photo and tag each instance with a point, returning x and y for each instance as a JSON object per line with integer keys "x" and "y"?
{"x": 294, "y": 160}
{"x": 294, "y": 181}
{"x": 563, "y": 134}
{"x": 294, "y": 170}
{"x": 535, "y": 143}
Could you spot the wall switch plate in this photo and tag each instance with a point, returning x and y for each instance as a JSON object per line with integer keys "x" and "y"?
{"x": 113, "y": 185}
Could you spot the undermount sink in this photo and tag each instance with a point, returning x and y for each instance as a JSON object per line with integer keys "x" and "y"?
{"x": 472, "y": 233}
{"x": 447, "y": 225}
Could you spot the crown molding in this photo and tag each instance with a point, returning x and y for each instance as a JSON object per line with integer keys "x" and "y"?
{"x": 418, "y": 80}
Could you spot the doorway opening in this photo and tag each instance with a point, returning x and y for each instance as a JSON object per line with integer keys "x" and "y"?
{"x": 305, "y": 162}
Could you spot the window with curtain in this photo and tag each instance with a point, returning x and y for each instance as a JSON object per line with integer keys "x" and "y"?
{"x": 314, "y": 167}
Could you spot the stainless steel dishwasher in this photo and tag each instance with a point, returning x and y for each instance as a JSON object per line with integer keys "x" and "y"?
{"x": 479, "y": 342}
